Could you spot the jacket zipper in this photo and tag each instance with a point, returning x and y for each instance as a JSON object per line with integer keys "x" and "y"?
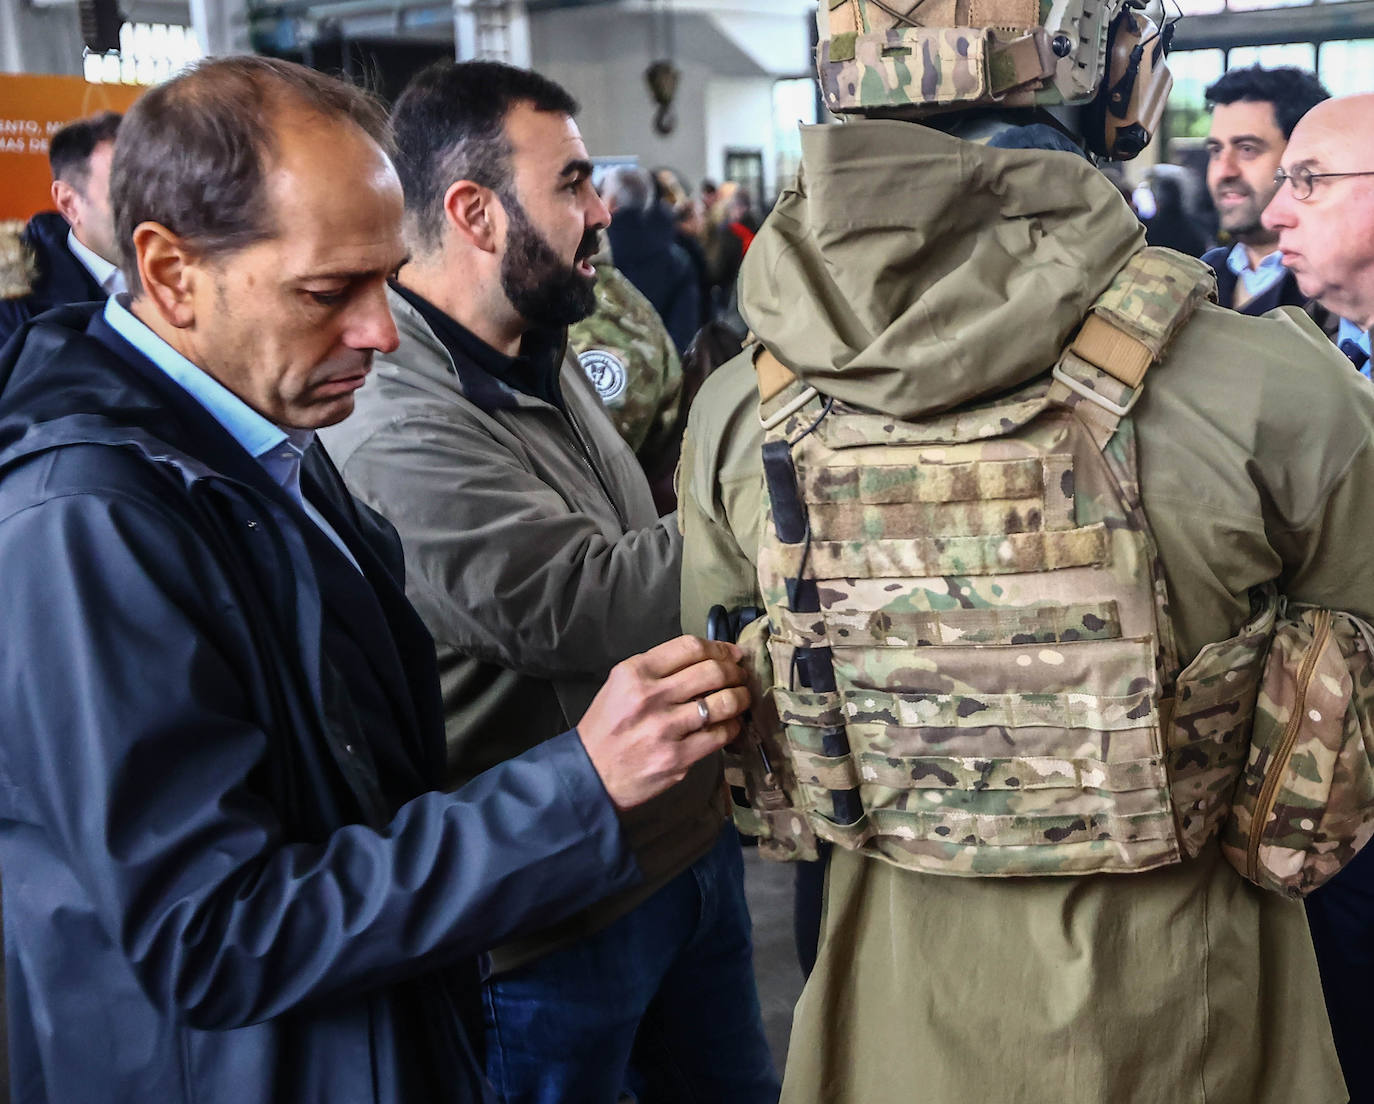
{"x": 1278, "y": 766}
{"x": 591, "y": 463}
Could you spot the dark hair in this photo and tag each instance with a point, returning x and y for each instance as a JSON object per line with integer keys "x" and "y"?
{"x": 1292, "y": 92}
{"x": 69, "y": 151}
{"x": 449, "y": 124}
{"x": 193, "y": 153}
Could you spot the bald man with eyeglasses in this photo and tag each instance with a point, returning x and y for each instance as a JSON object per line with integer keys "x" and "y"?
{"x": 1323, "y": 213}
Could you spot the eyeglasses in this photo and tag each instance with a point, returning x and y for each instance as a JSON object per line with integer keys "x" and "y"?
{"x": 1303, "y": 180}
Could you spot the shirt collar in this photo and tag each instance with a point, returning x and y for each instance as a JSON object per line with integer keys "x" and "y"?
{"x": 104, "y": 273}
{"x": 1238, "y": 260}
{"x": 1352, "y": 331}
{"x": 251, "y": 430}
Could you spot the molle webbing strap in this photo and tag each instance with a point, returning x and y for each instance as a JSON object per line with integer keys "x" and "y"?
{"x": 1127, "y": 331}
{"x": 772, "y": 374}
{"x": 816, "y": 671}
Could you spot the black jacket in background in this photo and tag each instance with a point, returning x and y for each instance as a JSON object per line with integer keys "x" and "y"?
{"x": 643, "y": 248}
{"x": 227, "y": 874}
{"x": 57, "y": 277}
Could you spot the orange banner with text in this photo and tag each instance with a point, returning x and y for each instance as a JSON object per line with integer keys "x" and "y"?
{"x": 31, "y": 109}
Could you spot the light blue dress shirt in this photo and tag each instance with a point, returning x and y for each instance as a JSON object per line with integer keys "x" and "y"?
{"x": 1260, "y": 279}
{"x": 279, "y": 451}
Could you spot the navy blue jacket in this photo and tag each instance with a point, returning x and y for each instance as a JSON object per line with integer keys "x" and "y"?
{"x": 644, "y": 249}
{"x": 60, "y": 279}
{"x": 1285, "y": 293}
{"x": 227, "y": 876}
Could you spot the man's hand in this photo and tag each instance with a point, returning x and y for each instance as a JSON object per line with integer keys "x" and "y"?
{"x": 645, "y": 727}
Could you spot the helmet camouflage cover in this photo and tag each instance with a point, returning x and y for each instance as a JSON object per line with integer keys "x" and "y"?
{"x": 931, "y": 55}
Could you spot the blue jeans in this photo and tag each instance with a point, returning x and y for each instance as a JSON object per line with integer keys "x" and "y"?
{"x": 660, "y": 1003}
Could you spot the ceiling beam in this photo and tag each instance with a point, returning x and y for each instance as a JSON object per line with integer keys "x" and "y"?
{"x": 1308, "y": 23}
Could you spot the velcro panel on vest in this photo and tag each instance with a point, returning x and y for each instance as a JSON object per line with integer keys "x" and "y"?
{"x": 882, "y": 484}
{"x": 996, "y": 833}
{"x": 1097, "y": 712}
{"x": 1004, "y": 13}
{"x": 994, "y": 625}
{"x": 1022, "y": 774}
{"x": 978, "y": 555}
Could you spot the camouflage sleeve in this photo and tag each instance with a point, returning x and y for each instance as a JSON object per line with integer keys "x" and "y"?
{"x": 627, "y": 354}
{"x": 665, "y": 425}
{"x": 720, "y": 495}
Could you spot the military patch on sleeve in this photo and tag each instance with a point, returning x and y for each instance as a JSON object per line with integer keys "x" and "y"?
{"x": 606, "y": 371}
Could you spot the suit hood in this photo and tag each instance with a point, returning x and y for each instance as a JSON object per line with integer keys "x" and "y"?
{"x": 909, "y": 272}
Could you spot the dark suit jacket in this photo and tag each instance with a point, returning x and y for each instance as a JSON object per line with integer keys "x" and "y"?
{"x": 1283, "y": 294}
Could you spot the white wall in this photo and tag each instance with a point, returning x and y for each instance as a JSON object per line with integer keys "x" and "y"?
{"x": 728, "y": 63}
{"x": 44, "y": 36}
{"x": 39, "y": 40}
{"x": 739, "y": 115}
{"x": 600, "y": 58}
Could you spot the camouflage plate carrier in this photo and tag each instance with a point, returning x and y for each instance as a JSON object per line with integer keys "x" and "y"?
{"x": 967, "y": 664}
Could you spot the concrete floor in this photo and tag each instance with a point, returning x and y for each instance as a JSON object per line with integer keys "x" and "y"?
{"x": 768, "y": 886}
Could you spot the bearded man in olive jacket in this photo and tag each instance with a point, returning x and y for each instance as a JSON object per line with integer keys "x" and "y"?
{"x": 1256, "y": 448}
{"x": 537, "y": 560}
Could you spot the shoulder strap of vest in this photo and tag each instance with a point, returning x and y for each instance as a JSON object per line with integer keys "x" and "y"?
{"x": 1127, "y": 331}
{"x": 773, "y": 374}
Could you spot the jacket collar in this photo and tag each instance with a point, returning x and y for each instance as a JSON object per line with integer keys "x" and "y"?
{"x": 461, "y": 362}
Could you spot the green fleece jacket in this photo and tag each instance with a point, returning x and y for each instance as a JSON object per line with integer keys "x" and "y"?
{"x": 910, "y": 272}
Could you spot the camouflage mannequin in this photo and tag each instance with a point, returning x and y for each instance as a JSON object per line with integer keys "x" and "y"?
{"x": 918, "y": 274}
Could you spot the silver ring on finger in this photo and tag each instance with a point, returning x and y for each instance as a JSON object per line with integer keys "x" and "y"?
{"x": 703, "y": 712}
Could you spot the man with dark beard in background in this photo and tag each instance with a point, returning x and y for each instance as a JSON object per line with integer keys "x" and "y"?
{"x": 1254, "y": 110}
{"x": 535, "y": 556}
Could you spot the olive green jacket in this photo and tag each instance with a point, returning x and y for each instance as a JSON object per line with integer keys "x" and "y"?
{"x": 910, "y": 272}
{"x": 534, "y": 555}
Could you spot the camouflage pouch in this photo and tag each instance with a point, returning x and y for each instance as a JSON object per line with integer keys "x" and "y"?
{"x": 758, "y": 770}
{"x": 1212, "y": 710}
{"x": 1304, "y": 805}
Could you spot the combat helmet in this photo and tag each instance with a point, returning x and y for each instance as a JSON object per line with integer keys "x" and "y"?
{"x": 918, "y": 58}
